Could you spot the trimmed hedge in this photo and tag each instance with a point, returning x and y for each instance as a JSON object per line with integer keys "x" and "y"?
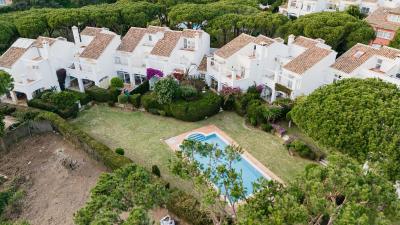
{"x": 83, "y": 97}
{"x": 102, "y": 152}
{"x": 302, "y": 149}
{"x": 99, "y": 94}
{"x": 206, "y": 105}
{"x": 123, "y": 98}
{"x": 64, "y": 113}
{"x": 187, "y": 207}
{"x": 135, "y": 100}
{"x": 141, "y": 89}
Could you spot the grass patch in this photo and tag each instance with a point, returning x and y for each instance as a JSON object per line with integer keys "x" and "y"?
{"x": 142, "y": 134}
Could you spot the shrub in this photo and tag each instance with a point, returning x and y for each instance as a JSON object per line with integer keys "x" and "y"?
{"x": 278, "y": 129}
{"x": 114, "y": 93}
{"x": 188, "y": 92}
{"x": 242, "y": 101}
{"x": 149, "y": 102}
{"x": 123, "y": 98}
{"x": 120, "y": 151}
{"x": 254, "y": 90}
{"x": 302, "y": 149}
{"x": 63, "y": 99}
{"x": 72, "y": 111}
{"x": 100, "y": 151}
{"x": 116, "y": 82}
{"x": 255, "y": 112}
{"x": 207, "y": 105}
{"x": 135, "y": 100}
{"x": 266, "y": 127}
{"x": 228, "y": 95}
{"x": 99, "y": 94}
{"x": 166, "y": 90}
{"x": 187, "y": 207}
{"x": 82, "y": 97}
{"x": 7, "y": 110}
{"x": 141, "y": 89}
{"x": 156, "y": 171}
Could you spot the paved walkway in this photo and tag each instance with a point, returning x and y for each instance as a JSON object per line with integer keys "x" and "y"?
{"x": 175, "y": 142}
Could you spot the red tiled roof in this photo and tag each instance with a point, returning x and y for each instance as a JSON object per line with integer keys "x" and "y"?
{"x": 11, "y": 56}
{"x": 97, "y": 46}
{"x": 166, "y": 45}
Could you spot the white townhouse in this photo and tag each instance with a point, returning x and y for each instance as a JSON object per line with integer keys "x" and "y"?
{"x": 296, "y": 8}
{"x": 291, "y": 70}
{"x": 93, "y": 62}
{"x": 363, "y": 61}
{"x": 33, "y": 63}
{"x": 159, "y": 48}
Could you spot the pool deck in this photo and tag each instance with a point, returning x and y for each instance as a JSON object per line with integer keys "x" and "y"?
{"x": 175, "y": 142}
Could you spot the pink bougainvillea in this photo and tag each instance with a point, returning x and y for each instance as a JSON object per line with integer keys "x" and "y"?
{"x": 260, "y": 88}
{"x": 153, "y": 72}
{"x": 229, "y": 90}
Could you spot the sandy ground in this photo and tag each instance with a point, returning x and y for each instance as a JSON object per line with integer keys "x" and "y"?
{"x": 54, "y": 191}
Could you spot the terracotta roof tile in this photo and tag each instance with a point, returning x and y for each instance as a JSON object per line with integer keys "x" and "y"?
{"x": 131, "y": 39}
{"x": 241, "y": 41}
{"x": 379, "y": 19}
{"x": 305, "y": 42}
{"x": 97, "y": 46}
{"x": 11, "y": 56}
{"x": 307, "y": 59}
{"x": 191, "y": 33}
{"x": 349, "y": 61}
{"x": 39, "y": 41}
{"x": 155, "y": 29}
{"x": 166, "y": 45}
{"x": 91, "y": 31}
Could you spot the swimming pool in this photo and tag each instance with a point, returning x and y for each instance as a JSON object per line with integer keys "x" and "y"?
{"x": 250, "y": 173}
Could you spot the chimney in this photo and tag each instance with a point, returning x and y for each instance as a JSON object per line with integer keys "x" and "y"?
{"x": 45, "y": 45}
{"x": 77, "y": 36}
{"x": 290, "y": 39}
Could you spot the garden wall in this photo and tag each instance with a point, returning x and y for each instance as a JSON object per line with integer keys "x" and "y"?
{"x": 24, "y": 130}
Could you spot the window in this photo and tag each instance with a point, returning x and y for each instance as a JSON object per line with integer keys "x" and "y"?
{"x": 364, "y": 10}
{"x": 384, "y": 34}
{"x": 2, "y": 2}
{"x": 139, "y": 79}
{"x": 378, "y": 64}
{"x": 308, "y": 8}
{"x": 358, "y": 54}
{"x": 187, "y": 43}
{"x": 290, "y": 84}
{"x": 394, "y": 18}
{"x": 150, "y": 38}
{"x": 124, "y": 76}
{"x": 242, "y": 72}
{"x": 117, "y": 60}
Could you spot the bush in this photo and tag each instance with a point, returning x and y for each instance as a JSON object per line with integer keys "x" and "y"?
{"x": 123, "y": 98}
{"x": 188, "y": 92}
{"x": 156, "y": 171}
{"x": 253, "y": 90}
{"x": 187, "y": 207}
{"x": 114, "y": 93}
{"x": 135, "y": 100}
{"x": 100, "y": 151}
{"x": 62, "y": 100}
{"x": 99, "y": 94}
{"x": 72, "y": 111}
{"x": 120, "y": 151}
{"x": 207, "y": 105}
{"x": 255, "y": 112}
{"x": 228, "y": 95}
{"x": 116, "y": 82}
{"x": 82, "y": 97}
{"x": 302, "y": 149}
{"x": 7, "y": 110}
{"x": 149, "y": 102}
{"x": 166, "y": 90}
{"x": 266, "y": 127}
{"x": 141, "y": 89}
{"x": 242, "y": 101}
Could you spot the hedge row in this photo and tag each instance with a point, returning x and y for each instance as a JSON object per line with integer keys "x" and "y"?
{"x": 187, "y": 207}
{"x": 64, "y": 113}
{"x": 99, "y": 94}
{"x": 83, "y": 97}
{"x": 206, "y": 105}
{"x": 82, "y": 139}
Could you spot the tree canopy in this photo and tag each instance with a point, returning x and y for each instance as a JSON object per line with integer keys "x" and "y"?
{"x": 6, "y": 84}
{"x": 339, "y": 29}
{"x": 341, "y": 193}
{"x": 358, "y": 117}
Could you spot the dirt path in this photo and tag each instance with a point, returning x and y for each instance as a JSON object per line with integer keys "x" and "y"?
{"x": 54, "y": 191}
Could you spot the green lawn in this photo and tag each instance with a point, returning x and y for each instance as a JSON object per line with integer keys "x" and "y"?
{"x": 141, "y": 135}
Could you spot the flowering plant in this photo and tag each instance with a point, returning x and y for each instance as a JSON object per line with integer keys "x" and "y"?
{"x": 153, "y": 72}
{"x": 278, "y": 129}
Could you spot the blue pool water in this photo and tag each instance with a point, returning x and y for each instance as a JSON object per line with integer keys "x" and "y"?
{"x": 249, "y": 173}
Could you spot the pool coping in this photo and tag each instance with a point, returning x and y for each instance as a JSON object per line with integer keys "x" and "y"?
{"x": 174, "y": 143}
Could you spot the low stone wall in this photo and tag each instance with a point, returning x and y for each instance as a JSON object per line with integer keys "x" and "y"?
{"x": 24, "y": 130}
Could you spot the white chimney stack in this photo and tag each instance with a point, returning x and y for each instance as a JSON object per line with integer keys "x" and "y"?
{"x": 290, "y": 39}
{"x": 45, "y": 45}
{"x": 77, "y": 37}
